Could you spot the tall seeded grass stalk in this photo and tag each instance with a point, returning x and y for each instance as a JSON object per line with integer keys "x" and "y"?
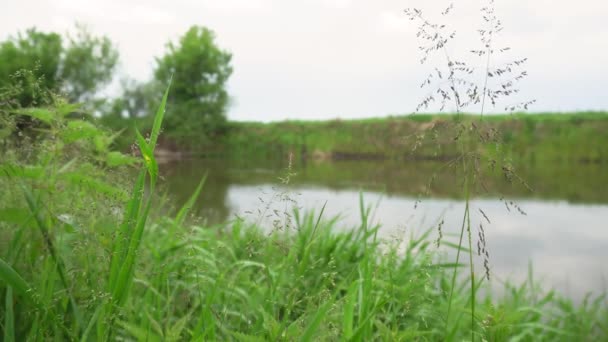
{"x": 455, "y": 82}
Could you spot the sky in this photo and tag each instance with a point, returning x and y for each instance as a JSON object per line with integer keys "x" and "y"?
{"x": 327, "y": 59}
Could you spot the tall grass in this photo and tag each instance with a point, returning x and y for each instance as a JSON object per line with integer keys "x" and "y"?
{"x": 459, "y": 83}
{"x": 90, "y": 275}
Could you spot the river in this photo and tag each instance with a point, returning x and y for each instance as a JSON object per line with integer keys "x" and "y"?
{"x": 553, "y": 217}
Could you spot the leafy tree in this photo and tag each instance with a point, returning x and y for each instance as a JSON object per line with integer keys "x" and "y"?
{"x": 30, "y": 63}
{"x": 137, "y": 99}
{"x": 36, "y": 60}
{"x": 200, "y": 70}
{"x": 88, "y": 64}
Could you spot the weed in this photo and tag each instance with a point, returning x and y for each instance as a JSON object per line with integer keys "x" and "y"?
{"x": 455, "y": 82}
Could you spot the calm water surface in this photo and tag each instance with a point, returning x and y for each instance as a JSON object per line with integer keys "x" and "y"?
{"x": 561, "y": 227}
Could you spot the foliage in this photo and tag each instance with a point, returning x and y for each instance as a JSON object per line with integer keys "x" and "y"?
{"x": 72, "y": 267}
{"x": 547, "y": 138}
{"x": 199, "y": 70}
{"x": 81, "y": 258}
{"x": 88, "y": 64}
{"x": 37, "y": 59}
{"x": 137, "y": 100}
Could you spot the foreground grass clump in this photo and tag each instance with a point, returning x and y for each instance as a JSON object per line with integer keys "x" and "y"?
{"x": 237, "y": 282}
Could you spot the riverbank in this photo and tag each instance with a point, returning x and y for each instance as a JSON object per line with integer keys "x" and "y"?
{"x": 542, "y": 137}
{"x": 536, "y": 137}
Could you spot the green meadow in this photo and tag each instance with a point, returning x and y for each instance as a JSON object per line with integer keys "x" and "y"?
{"x": 529, "y": 138}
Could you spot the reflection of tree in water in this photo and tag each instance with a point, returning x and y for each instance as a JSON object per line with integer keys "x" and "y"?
{"x": 573, "y": 182}
{"x": 180, "y": 180}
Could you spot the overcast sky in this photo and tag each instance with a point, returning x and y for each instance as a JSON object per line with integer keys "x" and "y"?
{"x": 322, "y": 59}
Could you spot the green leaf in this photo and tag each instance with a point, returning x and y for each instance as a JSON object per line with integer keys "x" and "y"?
{"x": 12, "y": 278}
{"x": 312, "y": 328}
{"x": 18, "y": 171}
{"x": 119, "y": 249}
{"x": 349, "y": 310}
{"x": 79, "y": 129}
{"x": 148, "y": 156}
{"x": 139, "y": 333}
{"x": 174, "y": 333}
{"x": 242, "y": 337}
{"x": 271, "y": 325}
{"x": 14, "y": 215}
{"x": 92, "y": 321}
{"x": 66, "y": 108}
{"x": 125, "y": 276}
{"x": 9, "y": 316}
{"x": 67, "y": 165}
{"x": 59, "y": 265}
{"x": 43, "y": 114}
{"x": 181, "y": 215}
{"x": 77, "y": 178}
{"x": 158, "y": 118}
{"x": 115, "y": 158}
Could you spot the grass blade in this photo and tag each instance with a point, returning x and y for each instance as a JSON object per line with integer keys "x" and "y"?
{"x": 14, "y": 280}
{"x": 119, "y": 251}
{"x": 158, "y": 119}
{"x": 59, "y": 265}
{"x": 349, "y": 311}
{"x": 125, "y": 276}
{"x": 183, "y": 212}
{"x": 139, "y": 333}
{"x": 9, "y": 316}
{"x": 87, "y": 330}
{"x": 312, "y": 328}
{"x": 148, "y": 156}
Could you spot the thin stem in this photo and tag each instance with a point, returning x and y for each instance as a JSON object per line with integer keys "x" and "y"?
{"x": 464, "y": 220}
{"x": 488, "y": 53}
{"x": 473, "y": 290}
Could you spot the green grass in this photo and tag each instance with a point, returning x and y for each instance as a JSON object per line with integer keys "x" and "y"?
{"x": 236, "y": 282}
{"x": 82, "y": 258}
{"x": 539, "y": 137}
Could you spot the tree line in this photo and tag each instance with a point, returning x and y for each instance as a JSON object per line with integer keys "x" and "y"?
{"x": 78, "y": 66}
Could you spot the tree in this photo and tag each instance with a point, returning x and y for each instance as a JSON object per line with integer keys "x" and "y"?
{"x": 88, "y": 64}
{"x": 137, "y": 99}
{"x": 78, "y": 69}
{"x": 30, "y": 63}
{"x": 199, "y": 71}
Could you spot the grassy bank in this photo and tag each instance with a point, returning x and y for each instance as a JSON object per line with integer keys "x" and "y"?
{"x": 540, "y": 137}
{"x": 86, "y": 253}
{"x": 534, "y": 137}
{"x": 238, "y": 283}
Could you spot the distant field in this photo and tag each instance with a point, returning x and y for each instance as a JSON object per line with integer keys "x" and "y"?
{"x": 538, "y": 137}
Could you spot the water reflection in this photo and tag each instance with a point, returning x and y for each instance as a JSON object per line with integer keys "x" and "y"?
{"x": 566, "y": 243}
{"x": 563, "y": 232}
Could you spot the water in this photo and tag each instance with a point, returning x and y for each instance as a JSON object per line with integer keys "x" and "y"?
{"x": 554, "y": 217}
